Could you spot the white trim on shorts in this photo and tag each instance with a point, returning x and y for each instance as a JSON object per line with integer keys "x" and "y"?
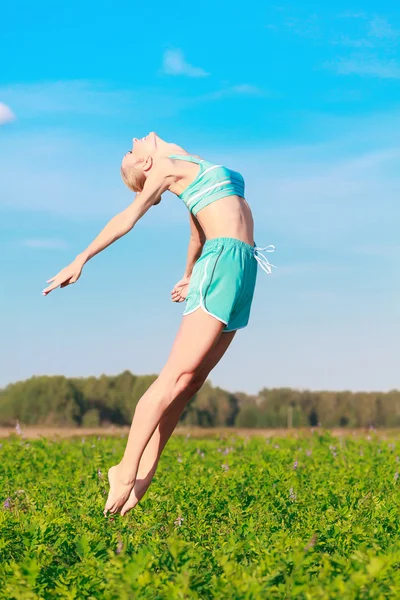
{"x": 202, "y": 305}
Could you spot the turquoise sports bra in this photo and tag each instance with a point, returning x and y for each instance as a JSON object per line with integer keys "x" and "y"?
{"x": 212, "y": 183}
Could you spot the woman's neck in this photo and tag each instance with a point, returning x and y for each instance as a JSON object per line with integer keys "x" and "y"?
{"x": 165, "y": 149}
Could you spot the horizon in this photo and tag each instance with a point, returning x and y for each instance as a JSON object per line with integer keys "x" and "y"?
{"x": 209, "y": 380}
{"x": 306, "y": 107}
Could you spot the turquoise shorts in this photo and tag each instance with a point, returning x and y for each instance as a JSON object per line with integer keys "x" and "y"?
{"x": 223, "y": 282}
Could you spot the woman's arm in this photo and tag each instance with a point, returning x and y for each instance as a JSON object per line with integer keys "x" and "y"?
{"x": 196, "y": 243}
{"x": 156, "y": 184}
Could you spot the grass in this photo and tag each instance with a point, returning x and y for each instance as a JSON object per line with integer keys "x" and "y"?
{"x": 304, "y": 516}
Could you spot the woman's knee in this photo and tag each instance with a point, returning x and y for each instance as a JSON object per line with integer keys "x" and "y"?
{"x": 169, "y": 386}
{"x": 189, "y": 382}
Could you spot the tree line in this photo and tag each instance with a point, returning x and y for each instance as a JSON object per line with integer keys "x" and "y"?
{"x": 105, "y": 400}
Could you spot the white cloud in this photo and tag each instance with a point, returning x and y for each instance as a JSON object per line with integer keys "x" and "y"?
{"x": 45, "y": 244}
{"x": 6, "y": 114}
{"x": 247, "y": 89}
{"x": 64, "y": 100}
{"x": 371, "y": 32}
{"x": 345, "y": 40}
{"x": 244, "y": 89}
{"x": 364, "y": 32}
{"x": 379, "y": 27}
{"x": 83, "y": 97}
{"x": 308, "y": 27}
{"x": 175, "y": 64}
{"x": 353, "y": 15}
{"x": 368, "y": 67}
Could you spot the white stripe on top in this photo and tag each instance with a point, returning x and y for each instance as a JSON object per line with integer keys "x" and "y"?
{"x": 203, "y": 192}
{"x": 201, "y": 175}
{"x": 210, "y": 169}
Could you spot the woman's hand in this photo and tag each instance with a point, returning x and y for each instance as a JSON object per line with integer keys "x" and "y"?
{"x": 180, "y": 290}
{"x": 69, "y": 274}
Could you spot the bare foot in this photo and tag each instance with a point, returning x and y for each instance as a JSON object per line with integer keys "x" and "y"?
{"x": 139, "y": 489}
{"x": 119, "y": 491}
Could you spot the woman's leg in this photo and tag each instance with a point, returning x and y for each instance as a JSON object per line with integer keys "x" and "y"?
{"x": 197, "y": 337}
{"x": 152, "y": 452}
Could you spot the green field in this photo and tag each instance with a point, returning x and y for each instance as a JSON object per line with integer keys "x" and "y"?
{"x": 226, "y": 517}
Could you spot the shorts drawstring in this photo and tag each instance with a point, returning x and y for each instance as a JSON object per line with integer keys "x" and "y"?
{"x": 262, "y": 259}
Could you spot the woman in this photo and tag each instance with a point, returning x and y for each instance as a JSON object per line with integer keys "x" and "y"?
{"x": 219, "y": 280}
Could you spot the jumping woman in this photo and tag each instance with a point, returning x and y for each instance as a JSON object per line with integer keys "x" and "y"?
{"x": 218, "y": 286}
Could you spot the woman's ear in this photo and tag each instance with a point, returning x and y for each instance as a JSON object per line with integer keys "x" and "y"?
{"x": 147, "y": 163}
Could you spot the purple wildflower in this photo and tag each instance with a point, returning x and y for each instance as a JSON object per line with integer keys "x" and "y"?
{"x": 99, "y": 474}
{"x": 295, "y": 464}
{"x": 308, "y": 452}
{"x": 119, "y": 547}
{"x": 178, "y": 522}
{"x": 18, "y": 429}
{"x": 396, "y": 476}
{"x": 7, "y": 503}
{"x": 311, "y": 543}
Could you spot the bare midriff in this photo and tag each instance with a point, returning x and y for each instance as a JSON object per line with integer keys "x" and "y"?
{"x": 228, "y": 217}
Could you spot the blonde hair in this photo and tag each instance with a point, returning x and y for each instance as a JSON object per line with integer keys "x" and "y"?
{"x": 134, "y": 178}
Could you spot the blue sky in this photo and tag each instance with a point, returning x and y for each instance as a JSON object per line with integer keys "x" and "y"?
{"x": 303, "y": 99}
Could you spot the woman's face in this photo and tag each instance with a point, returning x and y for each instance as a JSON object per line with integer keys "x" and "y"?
{"x": 141, "y": 149}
